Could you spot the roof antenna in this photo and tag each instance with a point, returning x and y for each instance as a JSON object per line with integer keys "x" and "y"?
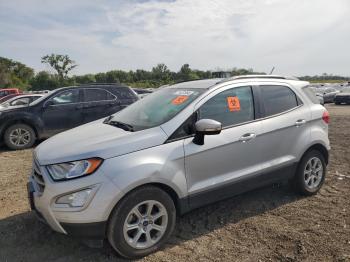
{"x": 273, "y": 69}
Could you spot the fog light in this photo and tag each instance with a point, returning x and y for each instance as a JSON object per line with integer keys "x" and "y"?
{"x": 76, "y": 199}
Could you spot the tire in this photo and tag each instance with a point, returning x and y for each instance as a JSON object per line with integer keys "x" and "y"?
{"x": 140, "y": 199}
{"x": 19, "y": 136}
{"x": 337, "y": 103}
{"x": 307, "y": 180}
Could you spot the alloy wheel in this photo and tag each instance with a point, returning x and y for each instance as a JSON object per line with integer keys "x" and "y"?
{"x": 20, "y": 137}
{"x": 145, "y": 224}
{"x": 313, "y": 173}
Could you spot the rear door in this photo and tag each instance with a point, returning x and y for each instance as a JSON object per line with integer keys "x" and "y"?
{"x": 62, "y": 111}
{"x": 98, "y": 103}
{"x": 285, "y": 129}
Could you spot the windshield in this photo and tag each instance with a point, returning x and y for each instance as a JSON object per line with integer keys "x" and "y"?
{"x": 157, "y": 108}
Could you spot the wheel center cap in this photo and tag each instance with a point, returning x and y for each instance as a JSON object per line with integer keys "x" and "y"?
{"x": 145, "y": 223}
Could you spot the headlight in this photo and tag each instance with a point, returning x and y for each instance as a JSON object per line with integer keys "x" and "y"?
{"x": 70, "y": 170}
{"x": 77, "y": 199}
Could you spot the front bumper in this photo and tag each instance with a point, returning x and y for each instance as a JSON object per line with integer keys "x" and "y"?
{"x": 88, "y": 221}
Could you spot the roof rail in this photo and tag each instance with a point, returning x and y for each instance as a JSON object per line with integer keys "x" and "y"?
{"x": 101, "y": 84}
{"x": 259, "y": 76}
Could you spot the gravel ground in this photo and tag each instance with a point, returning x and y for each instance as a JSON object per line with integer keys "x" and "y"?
{"x": 269, "y": 224}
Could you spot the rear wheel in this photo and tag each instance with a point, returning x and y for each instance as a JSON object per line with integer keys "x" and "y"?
{"x": 19, "y": 136}
{"x": 142, "y": 222}
{"x": 311, "y": 173}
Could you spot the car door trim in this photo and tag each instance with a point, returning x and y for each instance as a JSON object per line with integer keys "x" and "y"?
{"x": 241, "y": 185}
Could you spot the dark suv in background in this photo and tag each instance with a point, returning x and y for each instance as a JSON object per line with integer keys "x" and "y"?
{"x": 62, "y": 109}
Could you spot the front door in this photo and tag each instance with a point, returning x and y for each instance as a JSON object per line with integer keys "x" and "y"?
{"x": 62, "y": 112}
{"x": 227, "y": 162}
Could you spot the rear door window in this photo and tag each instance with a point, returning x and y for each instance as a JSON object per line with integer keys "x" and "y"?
{"x": 97, "y": 94}
{"x": 278, "y": 99}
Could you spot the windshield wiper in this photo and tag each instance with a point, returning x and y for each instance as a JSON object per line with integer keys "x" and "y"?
{"x": 118, "y": 124}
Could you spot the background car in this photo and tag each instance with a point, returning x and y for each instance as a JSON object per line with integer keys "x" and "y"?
{"x": 343, "y": 96}
{"x": 142, "y": 92}
{"x": 328, "y": 93}
{"x": 20, "y": 100}
{"x": 8, "y": 97}
{"x": 318, "y": 95}
{"x": 62, "y": 109}
{"x": 9, "y": 91}
{"x": 320, "y": 98}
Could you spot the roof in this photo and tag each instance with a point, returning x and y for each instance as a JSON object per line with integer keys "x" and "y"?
{"x": 261, "y": 77}
{"x": 208, "y": 83}
{"x": 204, "y": 84}
{"x": 92, "y": 85}
{"x": 9, "y": 89}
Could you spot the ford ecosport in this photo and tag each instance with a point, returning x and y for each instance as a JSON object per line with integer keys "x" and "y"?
{"x": 127, "y": 177}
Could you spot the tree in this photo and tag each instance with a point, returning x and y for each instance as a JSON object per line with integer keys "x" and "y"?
{"x": 61, "y": 63}
{"x": 15, "y": 74}
{"x": 187, "y": 74}
{"x": 44, "y": 81}
{"x": 85, "y": 79}
{"x": 161, "y": 72}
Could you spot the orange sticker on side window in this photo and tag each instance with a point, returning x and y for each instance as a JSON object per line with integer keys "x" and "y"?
{"x": 233, "y": 103}
{"x": 179, "y": 100}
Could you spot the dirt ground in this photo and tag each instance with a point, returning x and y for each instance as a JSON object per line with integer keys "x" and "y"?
{"x": 269, "y": 224}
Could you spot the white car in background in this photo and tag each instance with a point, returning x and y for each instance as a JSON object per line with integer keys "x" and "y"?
{"x": 22, "y": 100}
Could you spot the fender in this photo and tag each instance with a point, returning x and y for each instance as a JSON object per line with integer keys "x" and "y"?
{"x": 22, "y": 117}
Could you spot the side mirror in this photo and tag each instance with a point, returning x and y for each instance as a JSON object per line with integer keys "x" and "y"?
{"x": 48, "y": 103}
{"x": 206, "y": 127}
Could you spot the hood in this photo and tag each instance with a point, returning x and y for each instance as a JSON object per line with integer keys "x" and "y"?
{"x": 96, "y": 139}
{"x": 11, "y": 108}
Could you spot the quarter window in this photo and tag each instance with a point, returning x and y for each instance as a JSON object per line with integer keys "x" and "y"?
{"x": 94, "y": 95}
{"x": 278, "y": 99}
{"x": 230, "y": 107}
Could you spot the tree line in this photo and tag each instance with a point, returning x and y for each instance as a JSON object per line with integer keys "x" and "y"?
{"x": 16, "y": 74}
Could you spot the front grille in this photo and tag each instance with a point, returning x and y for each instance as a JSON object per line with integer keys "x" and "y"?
{"x": 38, "y": 177}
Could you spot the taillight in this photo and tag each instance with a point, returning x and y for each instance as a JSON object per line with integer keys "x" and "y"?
{"x": 325, "y": 117}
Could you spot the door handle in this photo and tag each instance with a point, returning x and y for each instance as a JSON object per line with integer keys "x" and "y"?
{"x": 247, "y": 137}
{"x": 300, "y": 122}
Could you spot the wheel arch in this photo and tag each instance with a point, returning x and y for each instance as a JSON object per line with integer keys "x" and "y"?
{"x": 321, "y": 148}
{"x": 181, "y": 204}
{"x": 19, "y": 121}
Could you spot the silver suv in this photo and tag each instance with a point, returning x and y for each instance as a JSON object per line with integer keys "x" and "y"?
{"x": 127, "y": 177}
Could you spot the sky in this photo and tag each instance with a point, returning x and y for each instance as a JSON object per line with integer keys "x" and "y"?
{"x": 297, "y": 37}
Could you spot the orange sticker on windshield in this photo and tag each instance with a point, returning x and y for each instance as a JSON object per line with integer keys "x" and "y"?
{"x": 233, "y": 103}
{"x": 179, "y": 100}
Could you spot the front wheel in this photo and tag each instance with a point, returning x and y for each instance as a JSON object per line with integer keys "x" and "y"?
{"x": 19, "y": 136}
{"x": 142, "y": 222}
{"x": 311, "y": 173}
